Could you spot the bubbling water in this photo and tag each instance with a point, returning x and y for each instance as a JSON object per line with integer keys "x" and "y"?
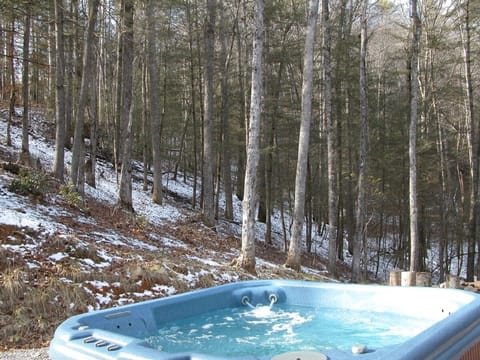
{"x": 266, "y": 330}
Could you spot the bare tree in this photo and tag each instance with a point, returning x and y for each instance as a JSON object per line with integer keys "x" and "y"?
{"x": 13, "y": 95}
{"x": 125, "y": 191}
{"x": 362, "y": 173}
{"x": 59, "y": 166}
{"x": 87, "y": 68}
{"x": 208, "y": 157}
{"x": 225, "y": 118}
{"x": 247, "y": 255}
{"x": 331, "y": 138}
{"x": 295, "y": 249}
{"x": 154, "y": 94}
{"x": 25, "y": 153}
{"x": 412, "y": 146}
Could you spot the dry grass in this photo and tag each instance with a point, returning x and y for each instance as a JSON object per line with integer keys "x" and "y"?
{"x": 37, "y": 293}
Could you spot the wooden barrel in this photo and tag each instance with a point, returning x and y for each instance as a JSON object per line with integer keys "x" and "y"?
{"x": 452, "y": 282}
{"x": 408, "y": 278}
{"x": 423, "y": 279}
{"x": 395, "y": 278}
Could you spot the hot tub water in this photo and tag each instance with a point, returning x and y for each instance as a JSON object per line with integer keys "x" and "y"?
{"x": 267, "y": 330}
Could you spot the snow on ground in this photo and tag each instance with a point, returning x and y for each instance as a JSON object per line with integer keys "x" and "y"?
{"x": 120, "y": 264}
{"x": 20, "y": 212}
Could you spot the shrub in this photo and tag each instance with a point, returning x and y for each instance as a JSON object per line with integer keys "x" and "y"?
{"x": 71, "y": 195}
{"x": 29, "y": 183}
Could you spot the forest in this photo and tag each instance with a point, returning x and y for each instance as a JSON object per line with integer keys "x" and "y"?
{"x": 354, "y": 119}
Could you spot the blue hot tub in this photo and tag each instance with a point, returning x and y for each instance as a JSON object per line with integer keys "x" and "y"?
{"x": 269, "y": 319}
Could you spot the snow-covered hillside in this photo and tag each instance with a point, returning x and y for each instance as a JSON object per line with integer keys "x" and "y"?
{"x": 59, "y": 258}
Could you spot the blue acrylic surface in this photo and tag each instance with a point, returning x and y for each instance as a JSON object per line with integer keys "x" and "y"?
{"x": 127, "y": 332}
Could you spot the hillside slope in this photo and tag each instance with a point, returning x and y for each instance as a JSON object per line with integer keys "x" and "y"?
{"x": 60, "y": 256}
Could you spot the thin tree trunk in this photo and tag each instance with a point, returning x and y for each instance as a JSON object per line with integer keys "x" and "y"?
{"x": 362, "y": 173}
{"x": 202, "y": 113}
{"x": 474, "y": 146}
{"x": 25, "y": 153}
{"x": 52, "y": 57}
{"x": 91, "y": 164}
{"x": 247, "y": 255}
{"x": 125, "y": 191}
{"x": 13, "y": 94}
{"x": 225, "y": 119}
{"x": 193, "y": 104}
{"x": 4, "y": 62}
{"x": 87, "y": 68}
{"x": 412, "y": 148}
{"x": 154, "y": 94}
{"x": 295, "y": 249}
{"x": 331, "y": 148}
{"x": 208, "y": 209}
{"x": 145, "y": 131}
{"x": 117, "y": 131}
{"x": 242, "y": 116}
{"x": 59, "y": 163}
{"x": 69, "y": 88}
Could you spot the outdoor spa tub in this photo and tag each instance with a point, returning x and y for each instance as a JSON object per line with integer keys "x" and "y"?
{"x": 281, "y": 320}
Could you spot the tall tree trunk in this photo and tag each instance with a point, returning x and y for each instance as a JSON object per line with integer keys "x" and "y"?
{"x": 145, "y": 115}
{"x": 193, "y": 110}
{"x": 87, "y": 68}
{"x": 125, "y": 191}
{"x": 331, "y": 148}
{"x": 412, "y": 148}
{"x": 154, "y": 94}
{"x": 474, "y": 144}
{"x": 13, "y": 93}
{"x": 4, "y": 61}
{"x": 25, "y": 153}
{"x": 362, "y": 173}
{"x": 208, "y": 156}
{"x": 117, "y": 131}
{"x": 247, "y": 255}
{"x": 225, "y": 119}
{"x": 295, "y": 249}
{"x": 52, "y": 56}
{"x": 91, "y": 163}
{"x": 69, "y": 66}
{"x": 59, "y": 163}
{"x": 202, "y": 112}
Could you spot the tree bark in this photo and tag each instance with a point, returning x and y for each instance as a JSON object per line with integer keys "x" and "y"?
{"x": 87, "y": 68}
{"x": 13, "y": 96}
{"x": 125, "y": 191}
{"x": 59, "y": 163}
{"x": 295, "y": 249}
{"x": 331, "y": 148}
{"x": 154, "y": 94}
{"x": 362, "y": 172}
{"x": 474, "y": 147}
{"x": 247, "y": 255}
{"x": 225, "y": 118}
{"x": 117, "y": 131}
{"x": 193, "y": 109}
{"x": 25, "y": 152}
{"x": 208, "y": 209}
{"x": 91, "y": 163}
{"x": 412, "y": 148}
